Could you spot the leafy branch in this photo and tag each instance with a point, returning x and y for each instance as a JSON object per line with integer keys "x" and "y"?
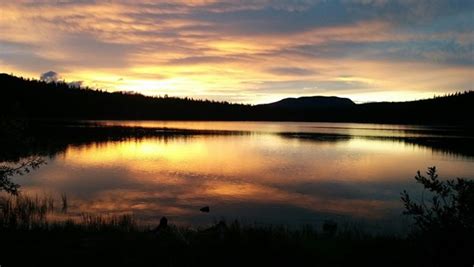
{"x": 24, "y": 167}
{"x": 451, "y": 206}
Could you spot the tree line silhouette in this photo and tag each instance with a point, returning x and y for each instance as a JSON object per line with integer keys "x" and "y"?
{"x": 29, "y": 98}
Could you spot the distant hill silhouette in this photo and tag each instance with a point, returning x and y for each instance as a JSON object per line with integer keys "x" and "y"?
{"x": 306, "y": 102}
{"x": 37, "y": 99}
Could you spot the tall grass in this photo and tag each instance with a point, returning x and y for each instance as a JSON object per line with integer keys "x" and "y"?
{"x": 23, "y": 212}
{"x": 64, "y": 203}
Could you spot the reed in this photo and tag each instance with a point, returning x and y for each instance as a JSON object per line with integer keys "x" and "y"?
{"x": 35, "y": 212}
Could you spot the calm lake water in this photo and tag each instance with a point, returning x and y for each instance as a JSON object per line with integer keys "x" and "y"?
{"x": 273, "y": 172}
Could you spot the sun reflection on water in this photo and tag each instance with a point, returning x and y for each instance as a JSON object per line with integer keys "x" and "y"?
{"x": 239, "y": 176}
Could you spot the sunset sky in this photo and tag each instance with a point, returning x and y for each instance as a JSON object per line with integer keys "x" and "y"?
{"x": 245, "y": 51}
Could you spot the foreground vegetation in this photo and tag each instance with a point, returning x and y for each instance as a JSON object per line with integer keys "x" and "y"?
{"x": 36, "y": 231}
{"x": 31, "y": 238}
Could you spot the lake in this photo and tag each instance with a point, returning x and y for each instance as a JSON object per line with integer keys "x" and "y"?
{"x": 257, "y": 172}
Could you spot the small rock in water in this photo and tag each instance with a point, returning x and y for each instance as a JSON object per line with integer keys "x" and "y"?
{"x": 163, "y": 223}
{"x": 205, "y": 209}
{"x": 162, "y": 228}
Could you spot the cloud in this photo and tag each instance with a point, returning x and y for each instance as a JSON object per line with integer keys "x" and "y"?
{"x": 76, "y": 84}
{"x": 50, "y": 76}
{"x": 291, "y": 71}
{"x": 225, "y": 49}
{"x": 309, "y": 87}
{"x": 199, "y": 60}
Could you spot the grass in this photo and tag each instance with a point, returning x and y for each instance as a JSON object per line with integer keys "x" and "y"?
{"x": 31, "y": 236}
{"x": 24, "y": 212}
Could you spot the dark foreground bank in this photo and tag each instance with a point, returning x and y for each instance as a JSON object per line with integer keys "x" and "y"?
{"x": 28, "y": 237}
{"x": 119, "y": 242}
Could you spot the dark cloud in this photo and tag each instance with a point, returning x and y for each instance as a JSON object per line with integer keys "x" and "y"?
{"x": 277, "y": 17}
{"x": 50, "y": 76}
{"x": 270, "y": 20}
{"x": 86, "y": 50}
{"x": 444, "y": 51}
{"x": 76, "y": 84}
{"x": 199, "y": 60}
{"x": 311, "y": 87}
{"x": 410, "y": 13}
{"x": 24, "y": 56}
{"x": 291, "y": 71}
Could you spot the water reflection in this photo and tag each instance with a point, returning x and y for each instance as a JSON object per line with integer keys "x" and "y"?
{"x": 349, "y": 129}
{"x": 265, "y": 177}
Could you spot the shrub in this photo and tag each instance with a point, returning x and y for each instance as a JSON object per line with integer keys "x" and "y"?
{"x": 451, "y": 206}
{"x": 445, "y": 225}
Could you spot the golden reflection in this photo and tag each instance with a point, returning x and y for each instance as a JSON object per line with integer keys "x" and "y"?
{"x": 152, "y": 177}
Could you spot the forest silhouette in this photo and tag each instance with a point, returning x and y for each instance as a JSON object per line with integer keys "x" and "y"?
{"x": 31, "y": 98}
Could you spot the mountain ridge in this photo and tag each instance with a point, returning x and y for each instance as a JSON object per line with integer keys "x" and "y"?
{"x": 311, "y": 101}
